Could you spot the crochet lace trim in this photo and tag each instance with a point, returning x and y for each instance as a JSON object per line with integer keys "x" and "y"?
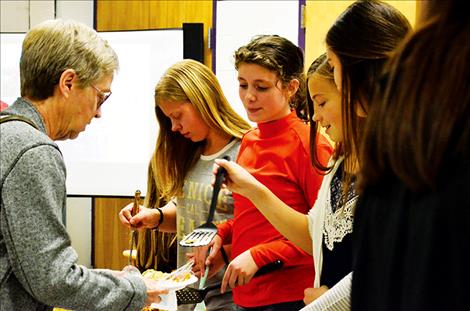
{"x": 338, "y": 224}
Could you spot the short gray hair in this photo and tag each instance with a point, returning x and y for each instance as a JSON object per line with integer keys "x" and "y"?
{"x": 54, "y": 46}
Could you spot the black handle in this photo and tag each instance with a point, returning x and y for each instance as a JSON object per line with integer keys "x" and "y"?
{"x": 275, "y": 265}
{"x": 219, "y": 178}
{"x": 211, "y": 287}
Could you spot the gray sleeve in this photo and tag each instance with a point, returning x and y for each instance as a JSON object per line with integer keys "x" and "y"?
{"x": 337, "y": 298}
{"x": 39, "y": 248}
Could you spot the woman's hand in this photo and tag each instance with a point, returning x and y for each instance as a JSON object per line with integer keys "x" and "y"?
{"x": 145, "y": 218}
{"x": 240, "y": 271}
{"x": 153, "y": 291}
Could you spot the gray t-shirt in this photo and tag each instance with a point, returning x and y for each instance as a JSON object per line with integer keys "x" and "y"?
{"x": 193, "y": 209}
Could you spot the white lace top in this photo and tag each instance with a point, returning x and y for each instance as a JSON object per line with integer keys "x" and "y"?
{"x": 338, "y": 216}
{"x": 328, "y": 226}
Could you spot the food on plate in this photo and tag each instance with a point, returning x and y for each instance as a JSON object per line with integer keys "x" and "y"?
{"x": 163, "y": 276}
{"x": 155, "y": 275}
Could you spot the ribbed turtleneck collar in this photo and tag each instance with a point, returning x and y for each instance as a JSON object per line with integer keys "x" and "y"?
{"x": 274, "y": 128}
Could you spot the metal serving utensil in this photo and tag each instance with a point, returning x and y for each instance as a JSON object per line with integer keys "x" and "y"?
{"x": 134, "y": 210}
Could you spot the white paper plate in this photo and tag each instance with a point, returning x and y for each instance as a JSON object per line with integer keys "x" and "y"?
{"x": 169, "y": 301}
{"x": 174, "y": 286}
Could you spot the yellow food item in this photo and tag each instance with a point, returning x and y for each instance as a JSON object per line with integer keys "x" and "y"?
{"x": 159, "y": 276}
{"x": 181, "y": 277}
{"x": 155, "y": 275}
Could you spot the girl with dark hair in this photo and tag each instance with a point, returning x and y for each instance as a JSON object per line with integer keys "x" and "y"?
{"x": 413, "y": 219}
{"x": 358, "y": 44}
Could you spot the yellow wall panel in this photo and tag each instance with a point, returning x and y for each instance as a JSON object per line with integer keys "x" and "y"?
{"x": 122, "y": 15}
{"x": 111, "y": 238}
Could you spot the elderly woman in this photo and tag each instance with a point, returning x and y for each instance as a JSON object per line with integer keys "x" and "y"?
{"x": 66, "y": 71}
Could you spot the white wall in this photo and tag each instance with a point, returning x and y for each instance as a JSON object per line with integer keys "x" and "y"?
{"x": 237, "y": 23}
{"x": 79, "y": 228}
{"x": 81, "y": 11}
{"x": 14, "y": 16}
{"x": 111, "y": 157}
{"x": 21, "y": 15}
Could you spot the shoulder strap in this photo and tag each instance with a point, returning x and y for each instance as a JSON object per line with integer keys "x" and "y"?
{"x": 18, "y": 118}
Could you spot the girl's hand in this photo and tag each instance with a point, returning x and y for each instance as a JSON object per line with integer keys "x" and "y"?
{"x": 310, "y": 294}
{"x": 213, "y": 260}
{"x": 198, "y": 255}
{"x": 145, "y": 218}
{"x": 240, "y": 271}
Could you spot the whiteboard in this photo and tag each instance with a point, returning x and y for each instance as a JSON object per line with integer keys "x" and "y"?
{"x": 237, "y": 22}
{"x": 111, "y": 157}
{"x": 10, "y": 52}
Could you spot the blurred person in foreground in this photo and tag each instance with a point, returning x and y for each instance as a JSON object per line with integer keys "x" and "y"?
{"x": 412, "y": 222}
{"x": 66, "y": 71}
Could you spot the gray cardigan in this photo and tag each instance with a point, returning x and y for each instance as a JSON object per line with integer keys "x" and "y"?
{"x": 38, "y": 266}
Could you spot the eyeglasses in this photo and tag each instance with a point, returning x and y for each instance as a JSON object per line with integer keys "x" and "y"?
{"x": 102, "y": 95}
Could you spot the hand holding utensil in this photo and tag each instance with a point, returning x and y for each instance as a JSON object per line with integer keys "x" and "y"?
{"x": 191, "y": 295}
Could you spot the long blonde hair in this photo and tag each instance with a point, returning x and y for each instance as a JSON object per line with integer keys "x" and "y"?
{"x": 192, "y": 82}
{"x": 154, "y": 248}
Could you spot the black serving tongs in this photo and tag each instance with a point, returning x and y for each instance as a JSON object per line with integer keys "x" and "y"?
{"x": 204, "y": 234}
{"x": 190, "y": 295}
